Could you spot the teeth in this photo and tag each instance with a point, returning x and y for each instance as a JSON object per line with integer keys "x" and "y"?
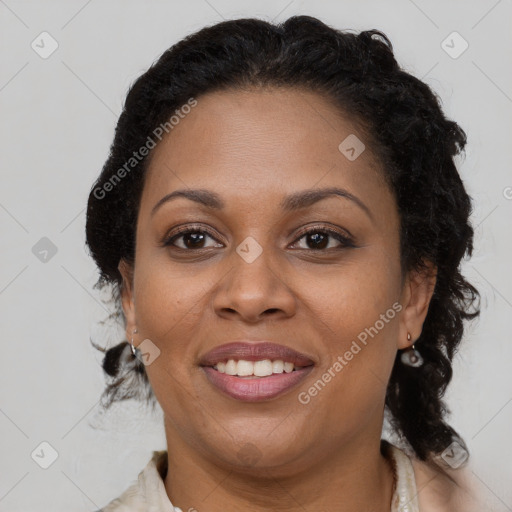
{"x": 262, "y": 368}
{"x": 277, "y": 366}
{"x": 288, "y": 367}
{"x": 246, "y": 368}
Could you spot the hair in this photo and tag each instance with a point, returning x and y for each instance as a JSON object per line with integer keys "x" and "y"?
{"x": 408, "y": 133}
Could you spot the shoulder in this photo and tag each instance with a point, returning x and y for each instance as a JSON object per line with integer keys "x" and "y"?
{"x": 129, "y": 501}
{"x": 437, "y": 493}
{"x": 147, "y": 492}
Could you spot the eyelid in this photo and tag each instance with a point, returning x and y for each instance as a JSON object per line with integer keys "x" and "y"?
{"x": 184, "y": 229}
{"x": 345, "y": 239}
{"x": 325, "y": 226}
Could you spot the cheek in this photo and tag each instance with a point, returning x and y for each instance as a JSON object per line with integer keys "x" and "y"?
{"x": 168, "y": 308}
{"x": 356, "y": 293}
{"x": 358, "y": 313}
{"x": 169, "y": 299}
{"x": 358, "y": 324}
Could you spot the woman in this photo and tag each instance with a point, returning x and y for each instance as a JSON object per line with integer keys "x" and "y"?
{"x": 282, "y": 222}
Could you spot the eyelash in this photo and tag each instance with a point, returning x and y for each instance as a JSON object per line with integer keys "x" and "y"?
{"x": 345, "y": 241}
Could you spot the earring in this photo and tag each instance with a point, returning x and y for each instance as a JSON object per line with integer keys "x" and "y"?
{"x": 131, "y": 344}
{"x": 411, "y": 357}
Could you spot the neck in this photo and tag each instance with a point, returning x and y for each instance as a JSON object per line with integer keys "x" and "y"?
{"x": 351, "y": 478}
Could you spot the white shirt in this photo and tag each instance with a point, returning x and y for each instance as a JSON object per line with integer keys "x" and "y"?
{"x": 148, "y": 493}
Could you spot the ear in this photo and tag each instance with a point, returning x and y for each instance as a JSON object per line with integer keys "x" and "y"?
{"x": 127, "y": 296}
{"x": 416, "y": 294}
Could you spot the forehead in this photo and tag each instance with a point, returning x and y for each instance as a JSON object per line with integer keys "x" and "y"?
{"x": 263, "y": 143}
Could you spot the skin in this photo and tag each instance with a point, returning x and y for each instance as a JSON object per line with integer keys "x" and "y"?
{"x": 253, "y": 148}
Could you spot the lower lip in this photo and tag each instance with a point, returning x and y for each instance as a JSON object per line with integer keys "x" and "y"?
{"x": 254, "y": 390}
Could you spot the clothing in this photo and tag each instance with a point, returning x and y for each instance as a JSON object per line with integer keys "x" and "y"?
{"x": 148, "y": 493}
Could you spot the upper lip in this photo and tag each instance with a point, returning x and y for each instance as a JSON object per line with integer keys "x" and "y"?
{"x": 254, "y": 351}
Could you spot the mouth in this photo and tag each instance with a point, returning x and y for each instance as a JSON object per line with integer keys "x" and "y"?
{"x": 252, "y": 388}
{"x": 252, "y": 372}
{"x": 254, "y": 352}
{"x": 245, "y": 369}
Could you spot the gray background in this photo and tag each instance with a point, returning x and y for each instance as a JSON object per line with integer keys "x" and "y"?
{"x": 57, "y": 122}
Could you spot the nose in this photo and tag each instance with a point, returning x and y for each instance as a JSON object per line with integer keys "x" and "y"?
{"x": 254, "y": 289}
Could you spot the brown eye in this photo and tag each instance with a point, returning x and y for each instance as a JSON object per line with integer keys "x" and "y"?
{"x": 318, "y": 239}
{"x": 192, "y": 238}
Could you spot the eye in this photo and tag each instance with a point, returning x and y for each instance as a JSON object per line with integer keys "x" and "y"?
{"x": 319, "y": 236}
{"x": 193, "y": 238}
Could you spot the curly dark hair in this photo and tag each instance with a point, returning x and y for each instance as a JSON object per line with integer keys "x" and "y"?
{"x": 408, "y": 132}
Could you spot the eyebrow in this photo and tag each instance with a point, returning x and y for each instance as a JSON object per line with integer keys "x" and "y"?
{"x": 293, "y": 202}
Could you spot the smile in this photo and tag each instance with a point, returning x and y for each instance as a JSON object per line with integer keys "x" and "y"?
{"x": 254, "y": 388}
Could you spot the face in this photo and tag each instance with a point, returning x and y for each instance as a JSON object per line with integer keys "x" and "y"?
{"x": 322, "y": 278}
